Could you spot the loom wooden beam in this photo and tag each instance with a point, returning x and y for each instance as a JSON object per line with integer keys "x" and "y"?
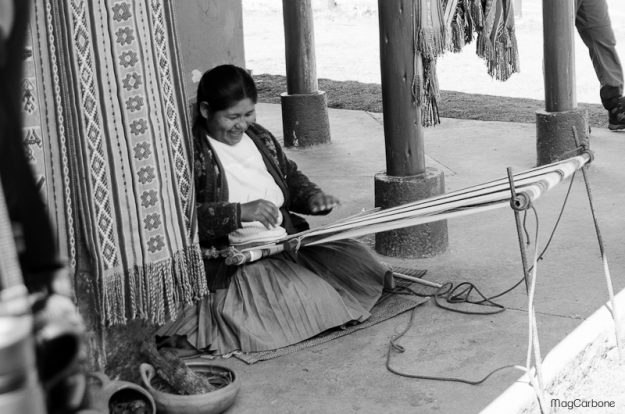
{"x": 554, "y": 124}
{"x": 304, "y": 107}
{"x": 406, "y": 178}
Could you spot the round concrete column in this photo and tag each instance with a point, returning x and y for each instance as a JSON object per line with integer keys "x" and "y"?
{"x": 425, "y": 240}
{"x": 554, "y": 134}
{"x": 305, "y": 119}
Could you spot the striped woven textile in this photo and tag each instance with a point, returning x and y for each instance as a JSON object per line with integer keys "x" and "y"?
{"x": 44, "y": 132}
{"x": 529, "y": 186}
{"x": 118, "y": 101}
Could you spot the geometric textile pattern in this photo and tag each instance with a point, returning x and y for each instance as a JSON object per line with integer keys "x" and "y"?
{"x": 44, "y": 129}
{"x": 126, "y": 129}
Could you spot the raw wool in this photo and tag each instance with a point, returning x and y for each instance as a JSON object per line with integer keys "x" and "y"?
{"x": 127, "y": 133}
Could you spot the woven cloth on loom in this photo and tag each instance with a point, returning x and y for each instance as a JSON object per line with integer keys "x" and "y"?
{"x": 126, "y": 127}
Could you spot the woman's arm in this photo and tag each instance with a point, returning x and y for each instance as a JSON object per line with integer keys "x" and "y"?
{"x": 306, "y": 196}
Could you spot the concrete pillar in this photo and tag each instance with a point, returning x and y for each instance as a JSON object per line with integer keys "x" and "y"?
{"x": 406, "y": 179}
{"x": 304, "y": 107}
{"x": 425, "y": 240}
{"x": 554, "y": 125}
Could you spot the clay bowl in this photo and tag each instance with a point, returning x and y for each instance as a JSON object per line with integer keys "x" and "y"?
{"x": 103, "y": 392}
{"x": 213, "y": 402}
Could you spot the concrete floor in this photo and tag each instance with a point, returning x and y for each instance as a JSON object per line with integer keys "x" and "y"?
{"x": 348, "y": 375}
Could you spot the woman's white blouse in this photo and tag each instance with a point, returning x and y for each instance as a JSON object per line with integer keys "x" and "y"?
{"x": 248, "y": 180}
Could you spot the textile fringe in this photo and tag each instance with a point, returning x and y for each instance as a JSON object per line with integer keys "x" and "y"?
{"x": 430, "y": 38}
{"x": 430, "y": 41}
{"x": 493, "y": 21}
{"x": 430, "y": 94}
{"x": 476, "y": 12}
{"x": 457, "y": 34}
{"x": 497, "y": 40}
{"x": 155, "y": 291}
{"x": 468, "y": 18}
{"x": 502, "y": 58}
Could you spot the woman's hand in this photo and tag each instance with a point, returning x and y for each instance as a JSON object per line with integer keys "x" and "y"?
{"x": 261, "y": 210}
{"x": 322, "y": 202}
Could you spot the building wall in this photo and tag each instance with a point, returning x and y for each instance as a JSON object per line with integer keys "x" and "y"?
{"x": 210, "y": 33}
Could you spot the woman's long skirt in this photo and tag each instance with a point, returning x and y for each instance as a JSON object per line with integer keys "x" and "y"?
{"x": 281, "y": 300}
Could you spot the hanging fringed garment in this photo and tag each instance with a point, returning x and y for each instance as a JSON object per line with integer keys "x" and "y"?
{"x": 426, "y": 89}
{"x": 431, "y": 30}
{"x": 429, "y": 42}
{"x": 529, "y": 185}
{"x": 496, "y": 40}
{"x": 450, "y": 25}
{"x": 120, "y": 108}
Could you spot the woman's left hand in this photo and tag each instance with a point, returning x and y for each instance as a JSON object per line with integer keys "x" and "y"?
{"x": 322, "y": 202}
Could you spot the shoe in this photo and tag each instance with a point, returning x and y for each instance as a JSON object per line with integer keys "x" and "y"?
{"x": 616, "y": 116}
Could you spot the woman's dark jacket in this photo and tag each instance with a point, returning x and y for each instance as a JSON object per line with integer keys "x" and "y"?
{"x": 217, "y": 217}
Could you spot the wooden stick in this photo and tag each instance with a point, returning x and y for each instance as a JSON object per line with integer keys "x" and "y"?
{"x": 417, "y": 280}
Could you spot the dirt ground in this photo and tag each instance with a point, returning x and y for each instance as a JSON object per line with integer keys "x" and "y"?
{"x": 603, "y": 384}
{"x": 347, "y": 48}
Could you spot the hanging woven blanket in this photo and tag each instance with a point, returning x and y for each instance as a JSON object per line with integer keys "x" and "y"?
{"x": 126, "y": 130}
{"x": 493, "y": 22}
{"x": 44, "y": 134}
{"x": 442, "y": 25}
{"x": 429, "y": 42}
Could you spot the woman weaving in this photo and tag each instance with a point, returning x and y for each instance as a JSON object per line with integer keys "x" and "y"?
{"x": 247, "y": 190}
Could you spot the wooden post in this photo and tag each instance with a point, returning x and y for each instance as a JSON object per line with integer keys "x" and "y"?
{"x": 403, "y": 133}
{"x": 304, "y": 107}
{"x": 559, "y": 55}
{"x": 406, "y": 178}
{"x": 299, "y": 36}
{"x": 554, "y": 140}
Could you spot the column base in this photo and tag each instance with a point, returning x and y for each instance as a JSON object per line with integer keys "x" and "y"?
{"x": 305, "y": 119}
{"x": 554, "y": 134}
{"x": 424, "y": 240}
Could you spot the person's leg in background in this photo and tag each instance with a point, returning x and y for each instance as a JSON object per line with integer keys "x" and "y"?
{"x": 594, "y": 26}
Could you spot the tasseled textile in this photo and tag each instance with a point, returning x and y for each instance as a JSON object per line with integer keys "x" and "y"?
{"x": 450, "y": 25}
{"x": 493, "y": 22}
{"x": 115, "y": 113}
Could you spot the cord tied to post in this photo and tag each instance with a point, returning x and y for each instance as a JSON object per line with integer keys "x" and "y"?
{"x": 520, "y": 201}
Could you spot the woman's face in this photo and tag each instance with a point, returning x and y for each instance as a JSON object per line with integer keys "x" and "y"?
{"x": 229, "y": 125}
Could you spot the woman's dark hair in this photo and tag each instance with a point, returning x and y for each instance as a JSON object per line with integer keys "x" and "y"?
{"x": 222, "y": 87}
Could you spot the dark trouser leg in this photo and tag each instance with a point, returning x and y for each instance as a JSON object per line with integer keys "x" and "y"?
{"x": 594, "y": 26}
